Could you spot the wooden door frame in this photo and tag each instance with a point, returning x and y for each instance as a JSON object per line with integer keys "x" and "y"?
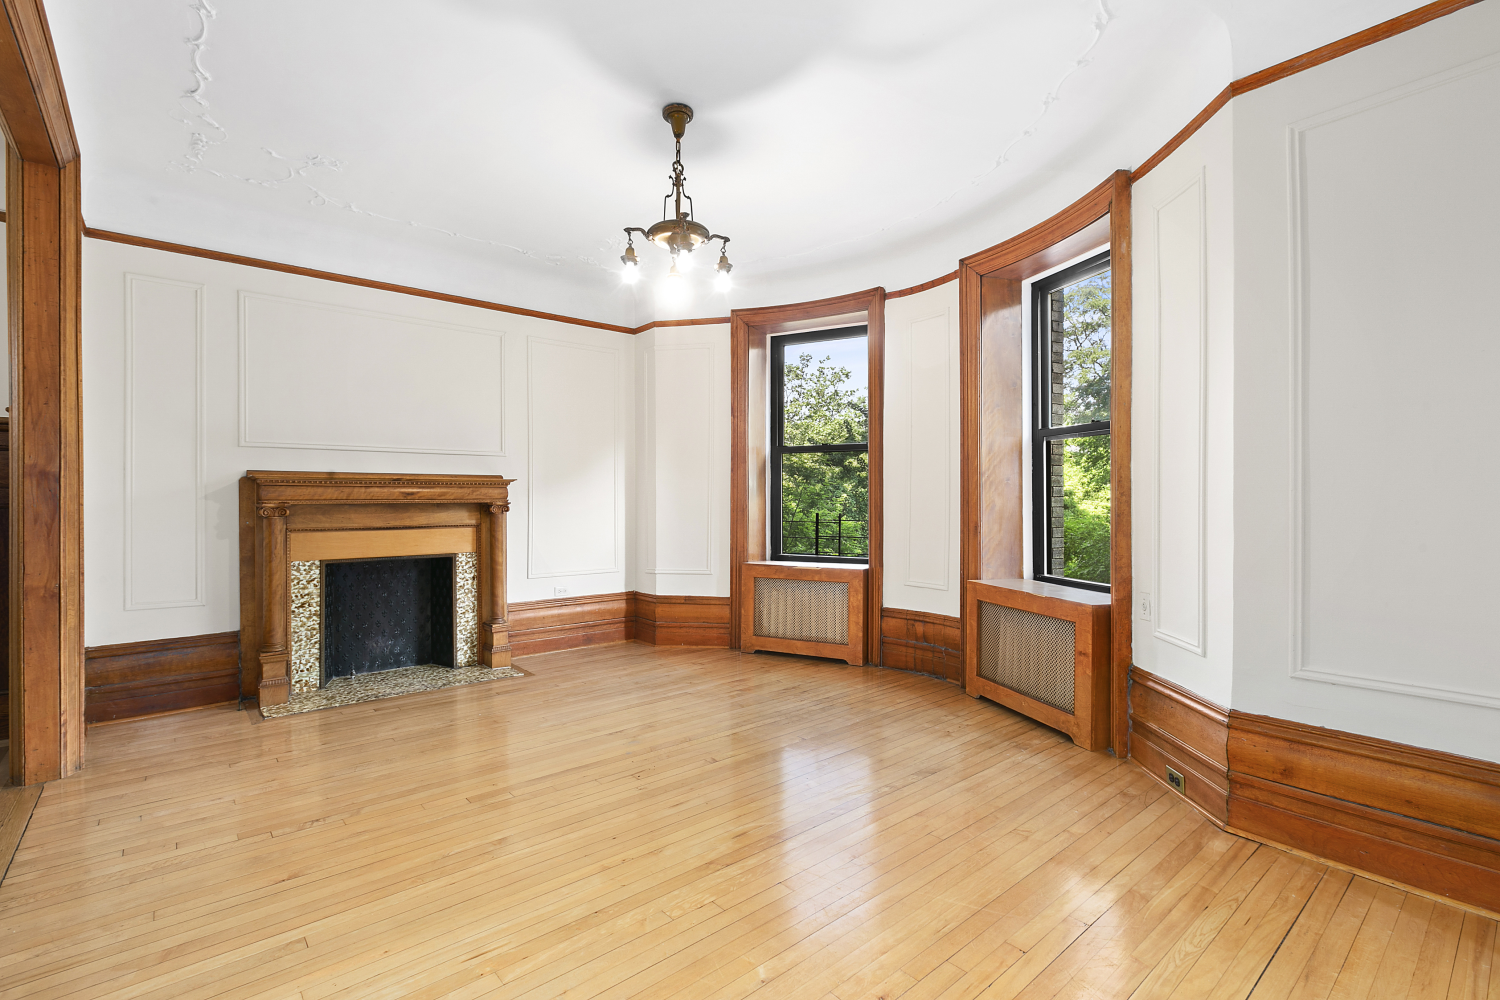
{"x": 993, "y": 420}
{"x": 44, "y": 246}
{"x": 749, "y": 330}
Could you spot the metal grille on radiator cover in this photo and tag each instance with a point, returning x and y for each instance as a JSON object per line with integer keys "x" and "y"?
{"x": 802, "y": 610}
{"x": 1027, "y": 652}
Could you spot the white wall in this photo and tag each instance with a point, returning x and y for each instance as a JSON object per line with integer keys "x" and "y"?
{"x": 682, "y": 481}
{"x": 4, "y": 311}
{"x": 1366, "y": 340}
{"x": 196, "y": 370}
{"x": 921, "y": 452}
{"x": 1182, "y": 449}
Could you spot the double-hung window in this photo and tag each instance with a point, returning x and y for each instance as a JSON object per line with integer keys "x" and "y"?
{"x": 820, "y": 452}
{"x": 1070, "y": 461}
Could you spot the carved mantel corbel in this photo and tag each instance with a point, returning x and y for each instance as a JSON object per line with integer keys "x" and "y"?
{"x": 275, "y": 687}
{"x": 494, "y": 639}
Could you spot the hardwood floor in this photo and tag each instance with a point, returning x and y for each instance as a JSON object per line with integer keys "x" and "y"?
{"x": 654, "y": 822}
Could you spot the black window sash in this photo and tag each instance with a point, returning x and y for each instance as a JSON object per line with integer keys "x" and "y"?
{"x": 779, "y": 450}
{"x": 1042, "y": 433}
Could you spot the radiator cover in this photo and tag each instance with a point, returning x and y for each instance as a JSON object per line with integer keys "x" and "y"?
{"x": 802, "y": 610}
{"x": 1029, "y": 653}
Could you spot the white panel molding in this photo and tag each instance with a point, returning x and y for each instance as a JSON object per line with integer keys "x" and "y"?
{"x": 938, "y": 448}
{"x": 708, "y": 519}
{"x": 246, "y": 441}
{"x": 200, "y": 526}
{"x": 611, "y": 565}
{"x": 1297, "y": 389}
{"x": 1196, "y": 189}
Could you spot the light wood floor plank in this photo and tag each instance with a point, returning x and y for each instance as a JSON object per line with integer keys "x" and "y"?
{"x": 628, "y": 821}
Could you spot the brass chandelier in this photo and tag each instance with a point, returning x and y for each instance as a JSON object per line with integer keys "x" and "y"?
{"x": 677, "y": 232}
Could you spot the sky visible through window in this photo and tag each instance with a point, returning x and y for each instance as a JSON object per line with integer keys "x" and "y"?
{"x": 851, "y": 353}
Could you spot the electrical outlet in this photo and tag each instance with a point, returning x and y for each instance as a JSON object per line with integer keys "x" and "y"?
{"x": 1145, "y": 607}
{"x": 1178, "y": 783}
{"x": 559, "y": 591}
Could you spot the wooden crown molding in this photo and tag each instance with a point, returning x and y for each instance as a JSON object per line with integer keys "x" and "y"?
{"x": 33, "y": 105}
{"x": 348, "y": 279}
{"x": 703, "y": 321}
{"x": 1296, "y": 64}
{"x": 784, "y": 318}
{"x": 1073, "y": 219}
{"x": 924, "y": 286}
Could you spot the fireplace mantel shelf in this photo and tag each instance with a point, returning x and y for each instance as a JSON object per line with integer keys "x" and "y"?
{"x": 275, "y": 503}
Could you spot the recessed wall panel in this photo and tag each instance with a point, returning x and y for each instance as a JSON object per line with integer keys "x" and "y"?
{"x": 164, "y": 543}
{"x": 1395, "y": 342}
{"x": 684, "y": 403}
{"x": 1181, "y": 341}
{"x": 573, "y": 459}
{"x": 929, "y": 470}
{"x": 331, "y": 378}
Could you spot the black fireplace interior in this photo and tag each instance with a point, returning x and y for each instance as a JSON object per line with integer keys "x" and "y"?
{"x": 382, "y": 614}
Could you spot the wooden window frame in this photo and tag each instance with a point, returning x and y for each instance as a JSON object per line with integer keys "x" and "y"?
{"x": 992, "y": 373}
{"x": 1041, "y": 429}
{"x": 750, "y": 331}
{"x": 778, "y": 451}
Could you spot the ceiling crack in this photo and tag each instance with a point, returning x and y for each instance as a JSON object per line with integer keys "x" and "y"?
{"x": 205, "y": 133}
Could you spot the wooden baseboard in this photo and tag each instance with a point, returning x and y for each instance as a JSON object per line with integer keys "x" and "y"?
{"x": 1172, "y": 727}
{"x": 132, "y": 679}
{"x": 659, "y": 619}
{"x": 570, "y": 622}
{"x": 922, "y": 642}
{"x": 1422, "y": 818}
{"x": 664, "y": 620}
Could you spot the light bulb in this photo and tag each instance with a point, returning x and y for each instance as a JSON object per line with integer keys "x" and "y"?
{"x": 722, "y": 283}
{"x": 674, "y": 287}
{"x": 631, "y": 274}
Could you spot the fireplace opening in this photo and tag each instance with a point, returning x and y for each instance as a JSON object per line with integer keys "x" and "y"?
{"x": 384, "y": 614}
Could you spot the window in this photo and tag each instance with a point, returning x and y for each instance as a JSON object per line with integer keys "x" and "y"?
{"x": 820, "y": 453}
{"x": 1070, "y": 462}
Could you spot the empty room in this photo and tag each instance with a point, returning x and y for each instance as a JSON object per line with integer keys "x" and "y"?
{"x": 1031, "y": 536}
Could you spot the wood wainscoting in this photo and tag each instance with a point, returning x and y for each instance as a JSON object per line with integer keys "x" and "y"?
{"x": 1173, "y": 727}
{"x": 922, "y": 642}
{"x": 571, "y": 622}
{"x": 587, "y": 620}
{"x": 1418, "y": 817}
{"x": 132, "y": 679}
{"x": 663, "y": 620}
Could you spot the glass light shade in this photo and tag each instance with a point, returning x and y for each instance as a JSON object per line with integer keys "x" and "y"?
{"x": 631, "y": 274}
{"x": 722, "y": 282}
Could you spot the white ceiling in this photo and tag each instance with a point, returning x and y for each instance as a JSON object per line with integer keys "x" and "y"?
{"x": 496, "y": 148}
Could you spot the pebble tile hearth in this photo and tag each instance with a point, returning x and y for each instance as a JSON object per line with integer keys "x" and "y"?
{"x": 385, "y": 684}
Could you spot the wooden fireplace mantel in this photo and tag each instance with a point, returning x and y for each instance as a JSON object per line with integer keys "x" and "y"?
{"x": 276, "y": 505}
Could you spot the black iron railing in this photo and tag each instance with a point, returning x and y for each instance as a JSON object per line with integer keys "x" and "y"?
{"x": 825, "y": 536}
